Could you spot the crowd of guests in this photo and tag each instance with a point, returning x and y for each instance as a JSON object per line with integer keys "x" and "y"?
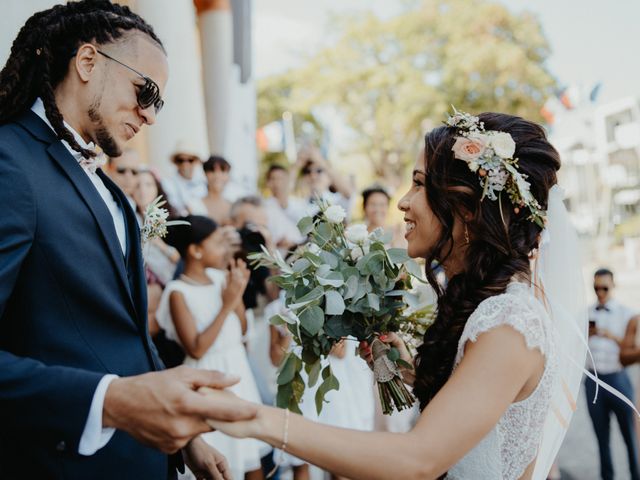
{"x": 208, "y": 309}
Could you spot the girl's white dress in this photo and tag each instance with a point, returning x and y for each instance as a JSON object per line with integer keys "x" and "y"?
{"x": 508, "y": 449}
{"x": 227, "y": 354}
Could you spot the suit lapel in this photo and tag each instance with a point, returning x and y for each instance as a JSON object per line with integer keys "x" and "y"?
{"x": 97, "y": 207}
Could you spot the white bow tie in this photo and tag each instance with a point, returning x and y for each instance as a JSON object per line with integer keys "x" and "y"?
{"x": 92, "y": 164}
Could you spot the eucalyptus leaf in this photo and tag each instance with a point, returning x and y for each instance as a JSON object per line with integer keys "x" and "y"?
{"x": 334, "y": 303}
{"x": 277, "y": 320}
{"x": 329, "y": 258}
{"x": 288, "y": 370}
{"x": 333, "y": 279}
{"x": 305, "y": 225}
{"x": 314, "y": 373}
{"x": 374, "y": 301}
{"x": 284, "y": 395}
{"x": 393, "y": 354}
{"x": 330, "y": 383}
{"x": 312, "y": 296}
{"x": 414, "y": 270}
{"x": 312, "y": 319}
{"x": 398, "y": 255}
{"x": 301, "y": 265}
{"x": 352, "y": 287}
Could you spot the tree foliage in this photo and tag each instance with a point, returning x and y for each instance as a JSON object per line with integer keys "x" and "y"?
{"x": 393, "y": 79}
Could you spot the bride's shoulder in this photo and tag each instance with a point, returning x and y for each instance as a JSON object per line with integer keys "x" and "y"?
{"x": 517, "y": 308}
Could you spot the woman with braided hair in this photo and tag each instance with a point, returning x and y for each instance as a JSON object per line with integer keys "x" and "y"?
{"x": 495, "y": 400}
{"x": 81, "y": 394}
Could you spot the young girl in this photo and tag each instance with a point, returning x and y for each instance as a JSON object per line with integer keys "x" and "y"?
{"x": 487, "y": 374}
{"x": 203, "y": 311}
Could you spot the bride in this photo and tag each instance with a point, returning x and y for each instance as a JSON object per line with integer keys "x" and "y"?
{"x": 487, "y": 374}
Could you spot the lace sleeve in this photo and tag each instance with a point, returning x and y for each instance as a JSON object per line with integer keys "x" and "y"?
{"x": 505, "y": 309}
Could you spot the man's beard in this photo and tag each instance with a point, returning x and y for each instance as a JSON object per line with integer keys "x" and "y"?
{"x": 102, "y": 136}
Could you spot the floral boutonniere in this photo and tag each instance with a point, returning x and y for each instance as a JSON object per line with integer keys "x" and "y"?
{"x": 155, "y": 222}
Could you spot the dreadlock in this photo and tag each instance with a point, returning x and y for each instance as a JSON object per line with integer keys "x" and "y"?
{"x": 41, "y": 52}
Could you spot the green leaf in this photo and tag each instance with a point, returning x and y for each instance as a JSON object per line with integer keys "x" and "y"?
{"x": 329, "y": 258}
{"x": 289, "y": 368}
{"x": 284, "y": 395}
{"x": 414, "y": 269}
{"x": 333, "y": 279}
{"x": 374, "y": 301}
{"x": 312, "y": 296}
{"x": 330, "y": 383}
{"x": 393, "y": 354}
{"x": 352, "y": 287}
{"x": 305, "y": 225}
{"x": 334, "y": 303}
{"x": 312, "y": 319}
{"x": 314, "y": 373}
{"x": 300, "y": 265}
{"x": 398, "y": 255}
{"x": 277, "y": 320}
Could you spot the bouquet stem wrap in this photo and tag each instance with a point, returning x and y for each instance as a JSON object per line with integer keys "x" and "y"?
{"x": 393, "y": 392}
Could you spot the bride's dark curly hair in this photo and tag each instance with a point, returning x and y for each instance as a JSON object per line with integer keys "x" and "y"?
{"x": 499, "y": 246}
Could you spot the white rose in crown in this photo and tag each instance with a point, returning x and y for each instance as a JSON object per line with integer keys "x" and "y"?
{"x": 335, "y": 214}
{"x": 357, "y": 233}
{"x": 503, "y": 144}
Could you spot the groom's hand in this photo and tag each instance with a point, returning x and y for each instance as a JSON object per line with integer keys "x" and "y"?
{"x": 164, "y": 410}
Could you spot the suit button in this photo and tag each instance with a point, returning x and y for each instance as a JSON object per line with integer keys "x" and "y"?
{"x": 61, "y": 446}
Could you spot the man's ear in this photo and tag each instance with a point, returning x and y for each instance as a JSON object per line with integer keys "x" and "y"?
{"x": 85, "y": 61}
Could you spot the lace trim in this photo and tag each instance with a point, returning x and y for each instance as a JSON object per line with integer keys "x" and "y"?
{"x": 520, "y": 428}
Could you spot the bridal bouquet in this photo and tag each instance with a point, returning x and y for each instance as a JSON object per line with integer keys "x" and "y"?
{"x": 344, "y": 283}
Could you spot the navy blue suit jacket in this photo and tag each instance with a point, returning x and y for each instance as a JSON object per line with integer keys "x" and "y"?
{"x": 72, "y": 308}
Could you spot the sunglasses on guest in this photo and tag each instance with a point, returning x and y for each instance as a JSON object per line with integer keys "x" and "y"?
{"x": 180, "y": 159}
{"x": 598, "y": 288}
{"x": 123, "y": 170}
{"x": 148, "y": 94}
{"x": 308, "y": 171}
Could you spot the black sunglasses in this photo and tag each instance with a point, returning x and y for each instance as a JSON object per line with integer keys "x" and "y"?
{"x": 307, "y": 171}
{"x": 149, "y": 93}
{"x": 604, "y": 289}
{"x": 181, "y": 160}
{"x": 123, "y": 170}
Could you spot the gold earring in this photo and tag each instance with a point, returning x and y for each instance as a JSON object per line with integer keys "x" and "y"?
{"x": 466, "y": 234}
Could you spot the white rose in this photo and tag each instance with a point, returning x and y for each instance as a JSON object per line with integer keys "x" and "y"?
{"x": 473, "y": 166}
{"x": 503, "y": 144}
{"x": 359, "y": 251}
{"x": 357, "y": 233}
{"x": 335, "y": 214}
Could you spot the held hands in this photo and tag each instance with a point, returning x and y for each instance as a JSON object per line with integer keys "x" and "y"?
{"x": 394, "y": 340}
{"x": 165, "y": 410}
{"x": 253, "y": 427}
{"x": 237, "y": 279}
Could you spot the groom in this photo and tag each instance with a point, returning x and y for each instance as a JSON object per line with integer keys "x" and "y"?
{"x": 81, "y": 391}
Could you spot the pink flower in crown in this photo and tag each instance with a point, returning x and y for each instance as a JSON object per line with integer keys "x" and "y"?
{"x": 470, "y": 148}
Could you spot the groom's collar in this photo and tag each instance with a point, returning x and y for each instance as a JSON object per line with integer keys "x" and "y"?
{"x": 38, "y": 109}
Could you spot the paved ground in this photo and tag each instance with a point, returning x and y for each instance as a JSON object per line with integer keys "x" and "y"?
{"x": 578, "y": 458}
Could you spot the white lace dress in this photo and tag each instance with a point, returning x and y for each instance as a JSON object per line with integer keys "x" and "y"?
{"x": 506, "y": 452}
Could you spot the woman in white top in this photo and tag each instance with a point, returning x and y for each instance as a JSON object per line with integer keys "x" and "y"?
{"x": 203, "y": 312}
{"x": 486, "y": 371}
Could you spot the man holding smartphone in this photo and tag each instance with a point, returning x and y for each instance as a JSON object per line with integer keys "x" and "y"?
{"x": 608, "y": 328}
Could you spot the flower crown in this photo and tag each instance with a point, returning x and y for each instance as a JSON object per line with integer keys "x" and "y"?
{"x": 490, "y": 154}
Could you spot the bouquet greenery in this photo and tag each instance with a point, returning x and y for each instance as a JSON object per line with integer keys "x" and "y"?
{"x": 344, "y": 283}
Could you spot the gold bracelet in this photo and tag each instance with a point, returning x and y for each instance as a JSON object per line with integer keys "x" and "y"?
{"x": 283, "y": 448}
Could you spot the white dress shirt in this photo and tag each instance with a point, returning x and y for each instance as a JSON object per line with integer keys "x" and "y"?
{"x": 94, "y": 437}
{"x": 185, "y": 195}
{"x": 613, "y": 317}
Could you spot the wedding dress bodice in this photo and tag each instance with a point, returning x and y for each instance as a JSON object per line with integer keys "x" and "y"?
{"x": 506, "y": 452}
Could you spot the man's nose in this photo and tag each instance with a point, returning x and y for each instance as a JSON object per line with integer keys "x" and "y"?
{"x": 148, "y": 114}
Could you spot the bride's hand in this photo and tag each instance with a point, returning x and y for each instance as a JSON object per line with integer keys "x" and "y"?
{"x": 408, "y": 375}
{"x": 242, "y": 429}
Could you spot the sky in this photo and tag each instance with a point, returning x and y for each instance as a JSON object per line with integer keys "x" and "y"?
{"x": 591, "y": 40}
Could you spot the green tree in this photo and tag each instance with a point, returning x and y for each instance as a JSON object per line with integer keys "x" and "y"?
{"x": 393, "y": 79}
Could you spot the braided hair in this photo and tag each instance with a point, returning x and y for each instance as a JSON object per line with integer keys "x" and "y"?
{"x": 41, "y": 52}
{"x": 501, "y": 239}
